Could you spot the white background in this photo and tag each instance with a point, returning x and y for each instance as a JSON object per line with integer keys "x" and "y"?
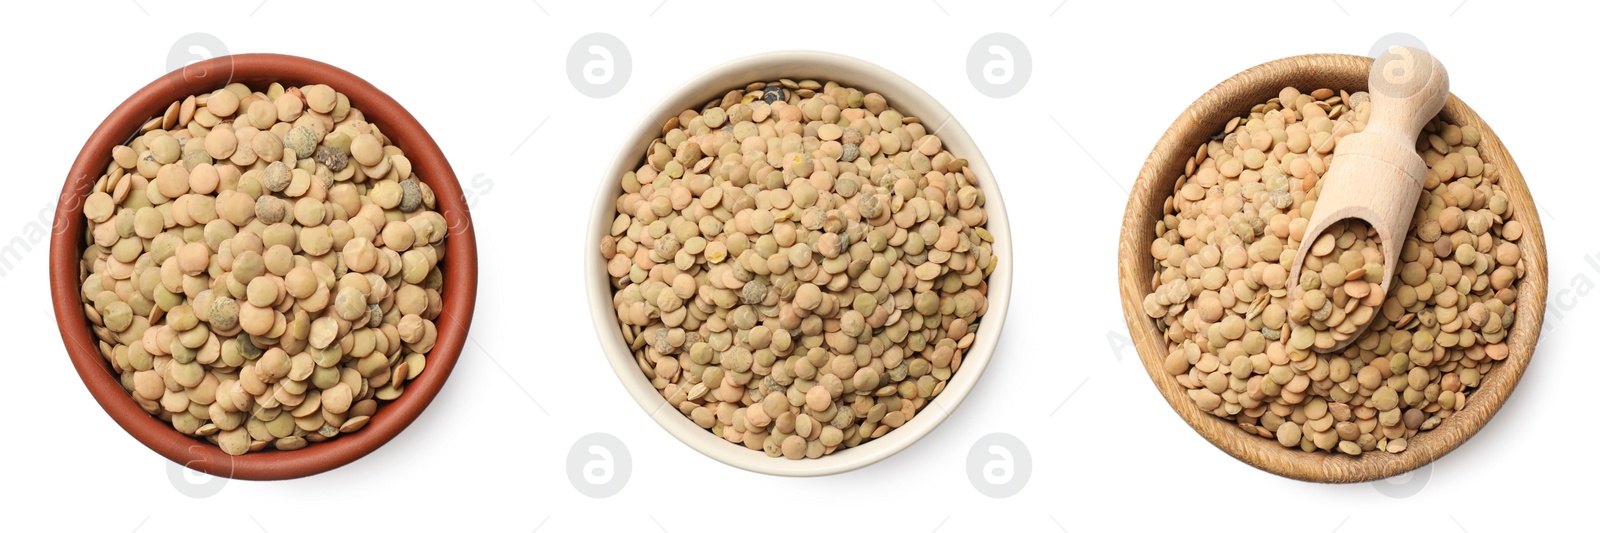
{"x": 487, "y": 456}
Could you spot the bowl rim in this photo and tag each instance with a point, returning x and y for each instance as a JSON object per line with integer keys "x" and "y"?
{"x": 1266, "y": 454}
{"x": 66, "y": 244}
{"x": 795, "y": 64}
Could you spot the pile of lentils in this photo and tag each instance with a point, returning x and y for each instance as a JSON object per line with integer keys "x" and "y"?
{"x": 1340, "y": 286}
{"x": 799, "y": 267}
{"x": 262, "y": 267}
{"x": 1243, "y": 349}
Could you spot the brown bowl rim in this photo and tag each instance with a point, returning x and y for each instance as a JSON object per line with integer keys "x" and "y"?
{"x": 1200, "y": 120}
{"x": 430, "y": 166}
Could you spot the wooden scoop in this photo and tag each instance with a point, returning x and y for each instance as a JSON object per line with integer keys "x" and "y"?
{"x": 1377, "y": 175}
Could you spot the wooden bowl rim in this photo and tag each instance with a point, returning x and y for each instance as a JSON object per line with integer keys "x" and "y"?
{"x": 1230, "y": 98}
{"x": 66, "y": 245}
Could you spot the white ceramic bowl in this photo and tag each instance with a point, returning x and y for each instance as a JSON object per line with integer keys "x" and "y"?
{"x": 848, "y": 71}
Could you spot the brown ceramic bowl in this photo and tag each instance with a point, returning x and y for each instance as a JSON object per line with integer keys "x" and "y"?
{"x": 67, "y": 243}
{"x": 1205, "y": 118}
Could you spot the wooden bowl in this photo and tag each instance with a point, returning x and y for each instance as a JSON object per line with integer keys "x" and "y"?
{"x": 1206, "y": 117}
{"x": 67, "y": 244}
{"x": 902, "y": 95}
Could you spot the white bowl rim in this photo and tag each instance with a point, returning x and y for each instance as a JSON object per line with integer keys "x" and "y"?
{"x": 852, "y": 72}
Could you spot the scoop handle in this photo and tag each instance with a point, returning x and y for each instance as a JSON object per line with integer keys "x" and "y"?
{"x": 1408, "y": 87}
{"x": 1377, "y": 175}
